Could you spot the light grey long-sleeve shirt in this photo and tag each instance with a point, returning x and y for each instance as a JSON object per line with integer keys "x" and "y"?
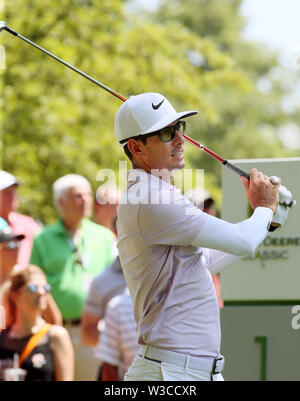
{"x": 169, "y": 279}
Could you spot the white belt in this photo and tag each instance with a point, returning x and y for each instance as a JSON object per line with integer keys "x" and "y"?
{"x": 213, "y": 366}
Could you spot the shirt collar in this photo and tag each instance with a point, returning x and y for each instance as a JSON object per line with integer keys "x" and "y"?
{"x": 139, "y": 175}
{"x": 61, "y": 229}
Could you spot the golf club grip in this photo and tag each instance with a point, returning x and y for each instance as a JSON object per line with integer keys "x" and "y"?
{"x": 237, "y": 169}
{"x": 244, "y": 173}
{"x": 10, "y": 31}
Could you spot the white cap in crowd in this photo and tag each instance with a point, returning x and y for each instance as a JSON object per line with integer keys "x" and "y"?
{"x": 7, "y": 180}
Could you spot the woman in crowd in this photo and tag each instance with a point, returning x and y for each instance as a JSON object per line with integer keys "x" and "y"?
{"x": 9, "y": 247}
{"x": 52, "y": 357}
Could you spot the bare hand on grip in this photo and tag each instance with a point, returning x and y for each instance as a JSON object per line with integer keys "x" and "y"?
{"x": 260, "y": 190}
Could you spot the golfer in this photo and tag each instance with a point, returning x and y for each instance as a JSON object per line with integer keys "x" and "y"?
{"x": 169, "y": 249}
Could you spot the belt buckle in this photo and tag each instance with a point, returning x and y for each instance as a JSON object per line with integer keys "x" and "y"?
{"x": 213, "y": 370}
{"x": 71, "y": 322}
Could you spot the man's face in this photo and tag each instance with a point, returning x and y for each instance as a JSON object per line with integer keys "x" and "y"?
{"x": 163, "y": 155}
{"x": 8, "y": 200}
{"x": 77, "y": 202}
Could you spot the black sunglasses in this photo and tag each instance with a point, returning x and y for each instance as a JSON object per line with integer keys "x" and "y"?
{"x": 10, "y": 245}
{"x": 166, "y": 134}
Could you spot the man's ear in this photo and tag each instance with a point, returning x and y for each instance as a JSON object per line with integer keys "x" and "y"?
{"x": 135, "y": 147}
{"x": 60, "y": 202}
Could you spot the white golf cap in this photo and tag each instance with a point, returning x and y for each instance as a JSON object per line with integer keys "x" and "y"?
{"x": 145, "y": 113}
{"x": 7, "y": 180}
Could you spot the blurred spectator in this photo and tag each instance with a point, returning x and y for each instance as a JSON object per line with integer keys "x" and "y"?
{"x": 9, "y": 245}
{"x": 72, "y": 252}
{"x": 52, "y": 358}
{"x": 109, "y": 283}
{"x": 118, "y": 343}
{"x": 203, "y": 200}
{"x": 3, "y": 223}
{"x": 104, "y": 287}
{"x": 106, "y": 205}
{"x": 19, "y": 223}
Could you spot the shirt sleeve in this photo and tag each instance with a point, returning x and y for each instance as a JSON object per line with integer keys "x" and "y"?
{"x": 218, "y": 260}
{"x": 96, "y": 300}
{"x": 238, "y": 239}
{"x": 176, "y": 223}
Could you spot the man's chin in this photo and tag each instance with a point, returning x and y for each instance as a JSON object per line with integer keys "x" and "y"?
{"x": 180, "y": 165}
{"x": 87, "y": 214}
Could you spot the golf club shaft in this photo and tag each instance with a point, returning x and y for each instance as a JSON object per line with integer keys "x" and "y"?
{"x": 225, "y": 162}
{"x": 228, "y": 164}
{"x": 192, "y": 141}
{"x": 232, "y": 166}
{"x": 65, "y": 63}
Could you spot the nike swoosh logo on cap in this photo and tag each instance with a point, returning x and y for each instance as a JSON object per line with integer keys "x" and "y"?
{"x": 157, "y": 106}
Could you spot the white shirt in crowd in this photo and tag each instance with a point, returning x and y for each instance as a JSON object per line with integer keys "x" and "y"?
{"x": 118, "y": 344}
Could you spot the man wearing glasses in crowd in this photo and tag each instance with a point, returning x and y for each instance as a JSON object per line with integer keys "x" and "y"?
{"x": 20, "y": 223}
{"x": 9, "y": 246}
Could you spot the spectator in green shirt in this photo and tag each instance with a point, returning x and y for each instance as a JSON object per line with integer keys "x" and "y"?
{"x": 72, "y": 252}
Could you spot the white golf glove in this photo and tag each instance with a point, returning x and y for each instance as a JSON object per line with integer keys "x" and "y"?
{"x": 285, "y": 196}
{"x": 280, "y": 216}
{"x": 285, "y": 199}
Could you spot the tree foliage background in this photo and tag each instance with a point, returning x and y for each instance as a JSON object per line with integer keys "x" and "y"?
{"x": 55, "y": 122}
